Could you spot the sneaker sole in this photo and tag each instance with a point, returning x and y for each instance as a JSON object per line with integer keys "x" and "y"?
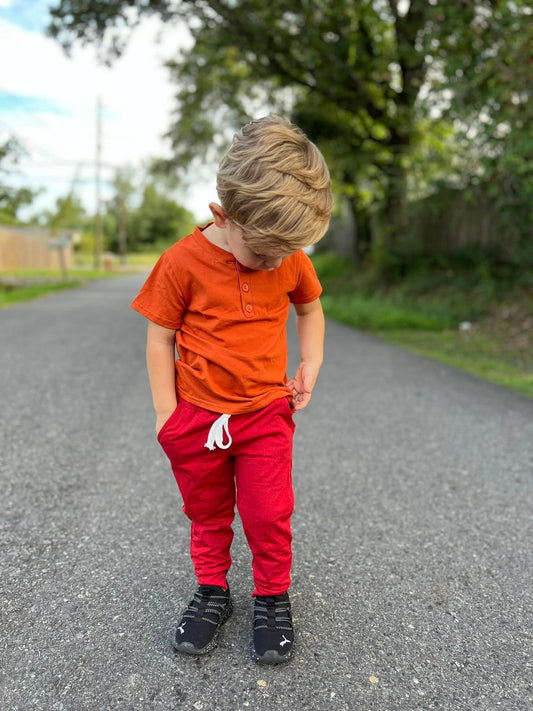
{"x": 189, "y": 648}
{"x": 272, "y": 656}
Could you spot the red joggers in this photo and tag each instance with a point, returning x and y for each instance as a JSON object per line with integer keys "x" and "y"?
{"x": 254, "y": 472}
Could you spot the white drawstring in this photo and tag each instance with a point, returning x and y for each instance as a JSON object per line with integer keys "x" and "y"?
{"x": 216, "y": 434}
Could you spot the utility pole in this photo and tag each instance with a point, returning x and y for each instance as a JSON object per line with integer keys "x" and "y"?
{"x": 122, "y": 233}
{"x": 98, "y": 166}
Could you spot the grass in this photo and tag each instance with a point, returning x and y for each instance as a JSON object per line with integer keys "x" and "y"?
{"x": 478, "y": 354}
{"x": 53, "y": 275}
{"x": 423, "y": 311}
{"x": 134, "y": 260}
{"x": 26, "y": 284}
{"x": 143, "y": 259}
{"x": 10, "y": 296}
{"x": 18, "y": 285}
{"x": 373, "y": 313}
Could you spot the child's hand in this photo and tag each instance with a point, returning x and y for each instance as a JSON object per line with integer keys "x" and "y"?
{"x": 302, "y": 385}
{"x": 162, "y": 417}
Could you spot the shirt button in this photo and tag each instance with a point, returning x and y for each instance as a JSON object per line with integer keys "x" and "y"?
{"x": 245, "y": 287}
{"x": 248, "y": 308}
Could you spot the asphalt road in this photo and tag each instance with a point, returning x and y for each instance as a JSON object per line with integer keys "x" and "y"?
{"x": 412, "y": 573}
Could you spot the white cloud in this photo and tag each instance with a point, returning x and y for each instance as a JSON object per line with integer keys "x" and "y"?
{"x": 58, "y": 126}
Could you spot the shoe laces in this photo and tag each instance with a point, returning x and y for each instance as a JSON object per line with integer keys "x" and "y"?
{"x": 272, "y": 612}
{"x": 207, "y": 605}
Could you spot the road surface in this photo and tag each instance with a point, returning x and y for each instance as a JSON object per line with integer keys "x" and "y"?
{"x": 412, "y": 567}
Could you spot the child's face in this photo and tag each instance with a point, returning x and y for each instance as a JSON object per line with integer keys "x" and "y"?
{"x": 248, "y": 258}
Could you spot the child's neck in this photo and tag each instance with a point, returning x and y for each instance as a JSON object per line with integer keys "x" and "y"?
{"x": 216, "y": 236}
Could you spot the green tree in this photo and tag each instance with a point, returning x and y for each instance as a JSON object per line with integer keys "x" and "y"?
{"x": 488, "y": 74}
{"x": 356, "y": 76}
{"x": 69, "y": 214}
{"x": 11, "y": 198}
{"x": 158, "y": 221}
{"x": 118, "y": 210}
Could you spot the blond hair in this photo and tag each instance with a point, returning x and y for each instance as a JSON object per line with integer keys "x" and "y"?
{"x": 274, "y": 184}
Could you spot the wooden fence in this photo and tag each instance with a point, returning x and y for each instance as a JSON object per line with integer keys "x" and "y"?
{"x": 26, "y": 248}
{"x": 446, "y": 223}
{"x": 455, "y": 220}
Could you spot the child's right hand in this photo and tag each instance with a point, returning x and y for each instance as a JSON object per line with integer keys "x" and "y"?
{"x": 302, "y": 385}
{"x": 162, "y": 417}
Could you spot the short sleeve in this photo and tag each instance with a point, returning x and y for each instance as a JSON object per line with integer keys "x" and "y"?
{"x": 308, "y": 287}
{"x": 161, "y": 298}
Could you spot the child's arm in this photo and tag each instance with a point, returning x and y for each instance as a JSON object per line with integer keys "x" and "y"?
{"x": 160, "y": 356}
{"x": 310, "y": 326}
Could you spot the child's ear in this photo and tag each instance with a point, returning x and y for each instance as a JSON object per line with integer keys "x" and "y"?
{"x": 219, "y": 215}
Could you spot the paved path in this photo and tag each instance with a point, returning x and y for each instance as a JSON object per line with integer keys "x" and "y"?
{"x": 412, "y": 576}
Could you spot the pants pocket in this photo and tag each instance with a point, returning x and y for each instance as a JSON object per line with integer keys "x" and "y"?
{"x": 162, "y": 432}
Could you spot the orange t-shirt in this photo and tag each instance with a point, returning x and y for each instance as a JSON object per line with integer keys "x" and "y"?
{"x": 229, "y": 322}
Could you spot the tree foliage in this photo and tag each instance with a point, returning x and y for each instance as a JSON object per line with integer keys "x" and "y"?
{"x": 69, "y": 214}
{"x": 12, "y": 199}
{"x": 158, "y": 219}
{"x": 487, "y": 75}
{"x": 369, "y": 81}
{"x": 149, "y": 220}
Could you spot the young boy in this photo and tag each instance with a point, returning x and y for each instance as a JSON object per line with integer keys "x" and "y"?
{"x": 224, "y": 408}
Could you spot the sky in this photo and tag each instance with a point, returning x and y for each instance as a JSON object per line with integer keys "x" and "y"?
{"x": 48, "y": 101}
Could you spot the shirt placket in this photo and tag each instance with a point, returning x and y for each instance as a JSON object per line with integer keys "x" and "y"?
{"x": 245, "y": 290}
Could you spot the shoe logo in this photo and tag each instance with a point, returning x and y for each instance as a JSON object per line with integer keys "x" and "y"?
{"x": 180, "y": 628}
{"x": 284, "y": 641}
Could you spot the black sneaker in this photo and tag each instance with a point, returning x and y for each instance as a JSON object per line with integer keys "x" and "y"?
{"x": 198, "y": 630}
{"x": 273, "y": 633}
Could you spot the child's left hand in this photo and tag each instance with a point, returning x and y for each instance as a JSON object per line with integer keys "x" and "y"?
{"x": 302, "y": 385}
